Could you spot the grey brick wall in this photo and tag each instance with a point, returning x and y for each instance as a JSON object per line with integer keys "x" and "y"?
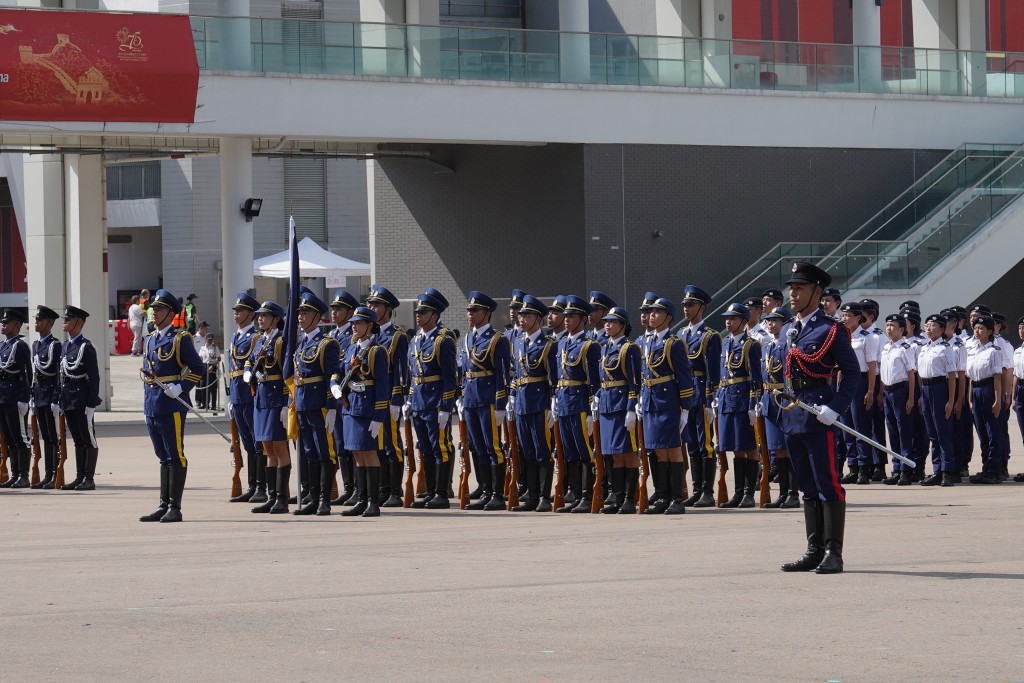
{"x": 571, "y": 218}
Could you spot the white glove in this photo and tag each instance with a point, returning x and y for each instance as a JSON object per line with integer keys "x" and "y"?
{"x": 442, "y": 419}
{"x": 758, "y": 410}
{"x": 407, "y": 411}
{"x": 173, "y": 390}
{"x": 511, "y": 403}
{"x": 336, "y": 391}
{"x": 374, "y": 429}
{"x": 23, "y": 409}
{"x": 89, "y": 413}
{"x": 826, "y": 415}
{"x": 630, "y": 420}
{"x": 332, "y": 415}
{"x": 260, "y": 376}
{"x": 284, "y": 415}
{"x": 593, "y": 404}
{"x": 31, "y": 404}
{"x": 752, "y": 414}
{"x": 709, "y": 415}
{"x": 396, "y": 413}
{"x": 714, "y": 405}
{"x": 684, "y": 416}
{"x": 247, "y": 376}
{"x": 551, "y": 419}
{"x": 499, "y": 416}
{"x": 55, "y": 409}
{"x": 458, "y": 407}
{"x": 230, "y": 410}
{"x": 639, "y": 411}
{"x": 590, "y": 425}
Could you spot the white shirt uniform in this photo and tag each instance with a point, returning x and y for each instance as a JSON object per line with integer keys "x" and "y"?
{"x": 1018, "y": 363}
{"x": 937, "y": 359}
{"x": 984, "y": 362}
{"x": 960, "y": 352}
{"x": 760, "y": 334}
{"x": 866, "y": 347}
{"x": 898, "y": 360}
{"x": 1006, "y": 348}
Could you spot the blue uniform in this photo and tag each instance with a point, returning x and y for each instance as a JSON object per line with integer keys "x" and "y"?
{"x": 667, "y": 390}
{"x": 396, "y": 344}
{"x": 239, "y": 394}
{"x": 15, "y": 381}
{"x": 343, "y": 335}
{"x": 704, "y": 348}
{"x": 46, "y": 354}
{"x": 316, "y": 359}
{"x": 484, "y": 358}
{"x": 773, "y": 377}
{"x": 265, "y": 363}
{"x": 620, "y": 391}
{"x": 738, "y": 392}
{"x": 535, "y": 373}
{"x": 819, "y": 347}
{"x": 579, "y": 360}
{"x": 433, "y": 377}
{"x": 80, "y": 389}
{"x": 366, "y": 396}
{"x": 170, "y": 356}
{"x": 935, "y": 364}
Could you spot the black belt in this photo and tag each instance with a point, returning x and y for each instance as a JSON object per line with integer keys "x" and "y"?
{"x": 928, "y": 381}
{"x": 983, "y": 382}
{"x": 800, "y": 383}
{"x": 894, "y": 387}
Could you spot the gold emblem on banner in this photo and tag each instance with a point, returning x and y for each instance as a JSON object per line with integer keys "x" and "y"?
{"x": 89, "y": 88}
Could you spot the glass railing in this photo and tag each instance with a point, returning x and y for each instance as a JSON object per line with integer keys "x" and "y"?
{"x": 466, "y": 53}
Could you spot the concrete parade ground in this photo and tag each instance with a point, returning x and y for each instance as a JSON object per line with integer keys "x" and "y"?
{"x": 93, "y": 594}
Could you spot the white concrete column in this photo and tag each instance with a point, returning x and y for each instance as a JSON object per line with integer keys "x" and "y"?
{"x": 383, "y": 47}
{"x": 424, "y": 37}
{"x": 971, "y": 39}
{"x": 668, "y": 45}
{"x": 235, "y": 233}
{"x": 43, "y": 219}
{"x": 86, "y": 253}
{"x": 574, "y": 43}
{"x": 235, "y": 36}
{"x": 867, "y": 35}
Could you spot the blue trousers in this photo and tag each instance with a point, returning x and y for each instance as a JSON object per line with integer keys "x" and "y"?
{"x": 81, "y": 428}
{"x": 575, "y": 440}
{"x": 242, "y": 414}
{"x": 861, "y": 418}
{"x": 899, "y": 423}
{"x": 317, "y": 446}
{"x": 482, "y": 430}
{"x": 989, "y": 435}
{"x": 534, "y": 436}
{"x": 877, "y": 413}
{"x": 435, "y": 444}
{"x": 167, "y": 432}
{"x": 392, "y": 444}
{"x": 940, "y": 428}
{"x": 48, "y": 432}
{"x": 695, "y": 431}
{"x": 813, "y": 456}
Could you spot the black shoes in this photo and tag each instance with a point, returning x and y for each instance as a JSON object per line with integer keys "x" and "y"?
{"x": 834, "y": 529}
{"x": 932, "y": 480}
{"x": 814, "y": 526}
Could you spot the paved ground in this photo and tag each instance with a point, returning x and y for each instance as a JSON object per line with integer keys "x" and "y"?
{"x": 92, "y": 594}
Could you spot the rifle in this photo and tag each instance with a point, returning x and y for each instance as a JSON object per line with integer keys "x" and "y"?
{"x": 641, "y": 489}
{"x": 408, "y": 489}
{"x": 36, "y": 454}
{"x": 560, "y": 476}
{"x": 722, "y": 496}
{"x": 512, "y": 478}
{"x": 597, "y": 501}
{"x": 236, "y": 451}
{"x": 765, "y": 495}
{"x": 3, "y": 458}
{"x": 62, "y": 450}
{"x": 467, "y": 467}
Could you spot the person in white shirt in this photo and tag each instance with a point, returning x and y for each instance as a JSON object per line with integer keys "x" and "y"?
{"x": 208, "y": 391}
{"x": 937, "y": 368}
{"x": 831, "y": 300}
{"x": 897, "y": 370}
{"x": 1006, "y": 349}
{"x": 137, "y": 324}
{"x": 1018, "y": 384}
{"x": 985, "y": 370}
{"x": 861, "y": 457}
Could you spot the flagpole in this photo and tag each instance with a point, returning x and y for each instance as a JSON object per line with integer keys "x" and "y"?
{"x": 291, "y": 341}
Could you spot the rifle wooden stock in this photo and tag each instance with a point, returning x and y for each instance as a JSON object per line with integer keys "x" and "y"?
{"x": 597, "y": 499}
{"x": 765, "y": 494}
{"x": 62, "y": 450}
{"x": 512, "y": 478}
{"x": 722, "y": 495}
{"x": 559, "y": 495}
{"x": 421, "y": 471}
{"x": 36, "y": 454}
{"x": 641, "y": 489}
{"x": 408, "y": 486}
{"x": 236, "y": 453}
{"x": 3, "y": 458}
{"x": 467, "y": 467}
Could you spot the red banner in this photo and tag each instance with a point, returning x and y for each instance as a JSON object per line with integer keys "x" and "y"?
{"x": 93, "y": 66}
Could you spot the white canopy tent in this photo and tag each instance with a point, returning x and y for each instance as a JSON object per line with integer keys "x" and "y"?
{"x": 314, "y": 261}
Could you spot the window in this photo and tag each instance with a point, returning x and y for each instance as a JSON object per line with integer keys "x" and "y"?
{"x": 133, "y": 181}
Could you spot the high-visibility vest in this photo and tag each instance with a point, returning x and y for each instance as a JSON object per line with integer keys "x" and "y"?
{"x": 179, "y": 318}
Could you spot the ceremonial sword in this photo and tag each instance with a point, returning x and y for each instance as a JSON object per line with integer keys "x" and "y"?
{"x": 147, "y": 376}
{"x": 816, "y": 410}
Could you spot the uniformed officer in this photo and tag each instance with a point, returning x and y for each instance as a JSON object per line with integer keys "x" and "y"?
{"x": 985, "y": 372}
{"x": 484, "y": 361}
{"x": 736, "y": 404}
{"x": 1017, "y": 395}
{"x": 363, "y": 386}
{"x": 755, "y": 329}
{"x": 865, "y": 347}
{"x": 392, "y": 337}
{"x": 512, "y": 330}
{"x": 665, "y": 400}
{"x": 831, "y": 300}
{"x": 771, "y": 299}
{"x": 773, "y": 378}
{"x": 898, "y": 373}
{"x": 342, "y": 307}
{"x": 169, "y": 358}
{"x": 316, "y": 359}
{"x": 875, "y": 412}
{"x": 578, "y": 380}
{"x": 600, "y": 304}
{"x": 937, "y": 367}
{"x": 264, "y": 370}
{"x": 917, "y": 342}
{"x": 704, "y": 347}
{"x": 515, "y": 303}
{"x": 15, "y": 384}
{"x": 963, "y": 420}
{"x": 46, "y": 392}
{"x": 79, "y": 397}
{"x": 621, "y": 375}
{"x": 240, "y": 398}
{"x": 433, "y": 378}
{"x": 556, "y": 318}
{"x": 817, "y": 346}
{"x": 1006, "y": 348}
{"x": 534, "y": 361}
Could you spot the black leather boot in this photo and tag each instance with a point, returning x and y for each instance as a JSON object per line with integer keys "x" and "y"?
{"x": 663, "y": 493}
{"x": 739, "y": 480}
{"x": 12, "y": 462}
{"x": 587, "y": 497}
{"x": 88, "y": 482}
{"x": 697, "y": 473}
{"x": 385, "y": 477}
{"x": 628, "y": 506}
{"x": 851, "y": 476}
{"x": 79, "y": 471}
{"x": 23, "y": 455}
{"x": 497, "y": 501}
{"x": 284, "y": 475}
{"x": 814, "y": 525}
{"x": 782, "y": 473}
{"x": 618, "y": 495}
{"x": 528, "y": 503}
{"x": 442, "y": 479}
{"x": 323, "y": 509}
{"x": 313, "y": 470}
{"x": 262, "y": 484}
{"x": 707, "y": 493}
{"x": 393, "y": 485}
{"x": 271, "y": 475}
{"x": 657, "y": 476}
{"x": 362, "y": 498}
{"x": 420, "y": 500}
{"x": 176, "y": 485}
{"x": 864, "y": 475}
{"x": 372, "y": 484}
{"x": 677, "y": 482}
{"x": 48, "y": 465}
{"x": 165, "y": 497}
{"x": 246, "y": 495}
{"x": 345, "y": 463}
{"x": 750, "y": 484}
{"x": 835, "y": 528}
{"x": 545, "y": 478}
{"x": 573, "y": 479}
